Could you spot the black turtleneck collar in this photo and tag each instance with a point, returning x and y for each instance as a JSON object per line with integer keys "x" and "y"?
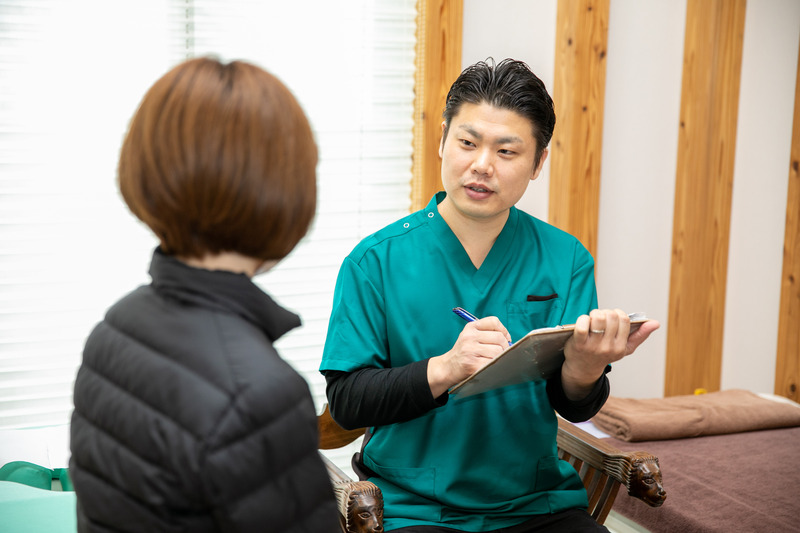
{"x": 220, "y": 290}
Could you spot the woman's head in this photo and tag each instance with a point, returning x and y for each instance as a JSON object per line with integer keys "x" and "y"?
{"x": 220, "y": 157}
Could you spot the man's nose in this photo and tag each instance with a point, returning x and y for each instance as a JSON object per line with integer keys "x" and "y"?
{"x": 483, "y": 162}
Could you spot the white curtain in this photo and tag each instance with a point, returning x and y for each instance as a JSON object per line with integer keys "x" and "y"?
{"x": 71, "y": 76}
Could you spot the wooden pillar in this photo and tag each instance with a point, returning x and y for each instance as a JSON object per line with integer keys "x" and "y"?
{"x": 438, "y": 62}
{"x": 712, "y": 60}
{"x": 787, "y": 370}
{"x": 579, "y": 97}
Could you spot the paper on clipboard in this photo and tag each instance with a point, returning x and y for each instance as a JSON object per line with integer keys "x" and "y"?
{"x": 536, "y": 356}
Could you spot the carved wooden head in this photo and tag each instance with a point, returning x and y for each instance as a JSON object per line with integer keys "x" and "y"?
{"x": 644, "y": 480}
{"x": 364, "y": 504}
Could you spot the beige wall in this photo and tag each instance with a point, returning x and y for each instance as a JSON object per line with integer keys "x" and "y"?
{"x": 640, "y": 133}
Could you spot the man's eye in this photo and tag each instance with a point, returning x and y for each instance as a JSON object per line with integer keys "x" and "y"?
{"x": 506, "y": 152}
{"x": 364, "y": 515}
{"x": 467, "y": 143}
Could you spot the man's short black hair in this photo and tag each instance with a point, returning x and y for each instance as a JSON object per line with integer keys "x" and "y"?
{"x": 510, "y": 85}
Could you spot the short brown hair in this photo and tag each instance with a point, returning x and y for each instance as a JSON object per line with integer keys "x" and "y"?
{"x": 220, "y": 157}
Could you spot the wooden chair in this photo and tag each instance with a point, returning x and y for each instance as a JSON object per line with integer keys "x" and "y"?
{"x": 602, "y": 468}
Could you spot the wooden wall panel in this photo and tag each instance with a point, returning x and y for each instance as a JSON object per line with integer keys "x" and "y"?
{"x": 579, "y": 96}
{"x": 438, "y": 62}
{"x": 787, "y": 369}
{"x": 704, "y": 181}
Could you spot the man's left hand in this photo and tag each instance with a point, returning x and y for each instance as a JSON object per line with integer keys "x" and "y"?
{"x": 600, "y": 338}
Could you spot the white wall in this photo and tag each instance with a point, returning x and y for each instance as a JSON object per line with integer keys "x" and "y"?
{"x": 761, "y": 181}
{"x": 640, "y": 134}
{"x": 523, "y": 30}
{"x": 637, "y": 187}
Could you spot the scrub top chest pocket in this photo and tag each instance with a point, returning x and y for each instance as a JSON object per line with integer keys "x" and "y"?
{"x": 536, "y": 311}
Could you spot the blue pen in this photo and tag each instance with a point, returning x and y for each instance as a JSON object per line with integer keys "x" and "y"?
{"x": 469, "y": 317}
{"x": 466, "y": 315}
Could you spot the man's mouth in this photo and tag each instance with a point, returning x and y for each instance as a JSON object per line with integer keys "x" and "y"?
{"x": 477, "y": 188}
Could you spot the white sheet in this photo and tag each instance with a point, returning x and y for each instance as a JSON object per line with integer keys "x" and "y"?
{"x": 47, "y": 446}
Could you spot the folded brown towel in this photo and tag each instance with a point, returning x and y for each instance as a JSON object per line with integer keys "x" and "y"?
{"x": 676, "y": 417}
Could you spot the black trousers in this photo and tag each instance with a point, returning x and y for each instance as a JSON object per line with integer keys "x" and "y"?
{"x": 570, "y": 521}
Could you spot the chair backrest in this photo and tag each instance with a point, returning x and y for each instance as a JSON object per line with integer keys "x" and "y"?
{"x": 331, "y": 434}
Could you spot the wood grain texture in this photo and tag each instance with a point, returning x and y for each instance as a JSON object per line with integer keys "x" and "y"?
{"x": 579, "y": 97}
{"x": 438, "y": 64}
{"x": 331, "y": 434}
{"x": 704, "y": 183}
{"x": 787, "y": 369}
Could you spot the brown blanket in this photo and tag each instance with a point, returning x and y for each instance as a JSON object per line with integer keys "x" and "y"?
{"x": 676, "y": 417}
{"x": 722, "y": 483}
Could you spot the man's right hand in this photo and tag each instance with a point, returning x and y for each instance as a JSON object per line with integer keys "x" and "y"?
{"x": 479, "y": 342}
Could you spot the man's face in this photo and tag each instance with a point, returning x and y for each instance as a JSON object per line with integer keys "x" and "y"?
{"x": 367, "y": 514}
{"x": 487, "y": 162}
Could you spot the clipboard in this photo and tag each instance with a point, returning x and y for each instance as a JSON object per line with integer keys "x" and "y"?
{"x": 536, "y": 356}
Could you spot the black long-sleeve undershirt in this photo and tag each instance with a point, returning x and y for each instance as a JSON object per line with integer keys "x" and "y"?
{"x": 381, "y": 396}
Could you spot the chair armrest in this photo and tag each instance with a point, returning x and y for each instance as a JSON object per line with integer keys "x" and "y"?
{"x": 602, "y": 467}
{"x": 360, "y": 503}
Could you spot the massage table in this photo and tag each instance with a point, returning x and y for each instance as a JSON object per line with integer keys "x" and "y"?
{"x": 26, "y": 509}
{"x": 745, "y": 480}
{"x": 35, "y": 491}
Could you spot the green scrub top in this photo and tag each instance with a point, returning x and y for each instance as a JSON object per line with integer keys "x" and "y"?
{"x": 486, "y": 461}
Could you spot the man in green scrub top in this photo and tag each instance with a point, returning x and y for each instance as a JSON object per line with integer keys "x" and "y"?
{"x": 486, "y": 462}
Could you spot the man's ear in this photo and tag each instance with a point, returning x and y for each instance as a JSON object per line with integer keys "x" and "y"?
{"x": 542, "y": 159}
{"x": 441, "y": 143}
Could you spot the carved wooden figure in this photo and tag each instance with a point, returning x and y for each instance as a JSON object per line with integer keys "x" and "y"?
{"x": 644, "y": 479}
{"x": 363, "y": 503}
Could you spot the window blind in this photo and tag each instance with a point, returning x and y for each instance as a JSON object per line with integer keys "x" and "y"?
{"x": 71, "y": 76}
